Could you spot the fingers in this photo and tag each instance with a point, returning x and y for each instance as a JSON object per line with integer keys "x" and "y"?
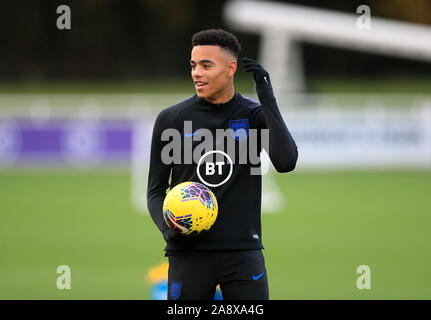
{"x": 181, "y": 238}
{"x": 193, "y": 234}
{"x": 247, "y": 60}
{"x": 196, "y": 234}
{"x": 250, "y": 65}
{"x": 173, "y": 236}
{"x": 250, "y": 68}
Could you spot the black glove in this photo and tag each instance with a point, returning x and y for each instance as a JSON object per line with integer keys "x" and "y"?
{"x": 174, "y": 237}
{"x": 196, "y": 236}
{"x": 261, "y": 76}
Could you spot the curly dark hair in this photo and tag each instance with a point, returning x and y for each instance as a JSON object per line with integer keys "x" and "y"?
{"x": 217, "y": 37}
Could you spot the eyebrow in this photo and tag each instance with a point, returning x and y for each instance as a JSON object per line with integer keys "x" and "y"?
{"x": 203, "y": 61}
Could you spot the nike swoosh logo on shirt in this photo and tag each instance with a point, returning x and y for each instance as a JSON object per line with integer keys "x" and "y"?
{"x": 257, "y": 277}
{"x": 190, "y": 134}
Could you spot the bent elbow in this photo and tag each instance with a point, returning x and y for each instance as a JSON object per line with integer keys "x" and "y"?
{"x": 288, "y": 165}
{"x": 284, "y": 168}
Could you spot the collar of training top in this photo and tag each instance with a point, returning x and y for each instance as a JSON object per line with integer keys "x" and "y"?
{"x": 225, "y": 105}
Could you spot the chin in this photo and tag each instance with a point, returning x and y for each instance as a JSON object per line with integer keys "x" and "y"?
{"x": 202, "y": 95}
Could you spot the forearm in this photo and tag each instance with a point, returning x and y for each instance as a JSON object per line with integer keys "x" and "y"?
{"x": 283, "y": 151}
{"x": 155, "y": 207}
{"x": 158, "y": 177}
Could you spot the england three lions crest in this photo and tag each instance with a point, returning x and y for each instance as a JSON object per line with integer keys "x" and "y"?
{"x": 175, "y": 289}
{"x": 239, "y": 128}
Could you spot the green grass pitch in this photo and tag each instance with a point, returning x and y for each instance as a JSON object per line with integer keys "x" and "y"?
{"x": 332, "y": 222}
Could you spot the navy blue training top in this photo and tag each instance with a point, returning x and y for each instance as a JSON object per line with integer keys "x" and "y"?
{"x": 238, "y": 224}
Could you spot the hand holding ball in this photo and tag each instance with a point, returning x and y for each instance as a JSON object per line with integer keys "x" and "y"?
{"x": 190, "y": 206}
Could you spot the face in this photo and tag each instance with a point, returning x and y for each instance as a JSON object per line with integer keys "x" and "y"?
{"x": 212, "y": 70}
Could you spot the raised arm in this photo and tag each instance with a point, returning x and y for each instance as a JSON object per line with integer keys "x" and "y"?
{"x": 283, "y": 151}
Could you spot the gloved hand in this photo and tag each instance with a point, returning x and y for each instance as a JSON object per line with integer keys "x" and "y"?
{"x": 261, "y": 76}
{"x": 196, "y": 236}
{"x": 174, "y": 237}
{"x": 171, "y": 236}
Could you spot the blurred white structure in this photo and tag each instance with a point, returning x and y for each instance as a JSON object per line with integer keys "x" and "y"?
{"x": 281, "y": 26}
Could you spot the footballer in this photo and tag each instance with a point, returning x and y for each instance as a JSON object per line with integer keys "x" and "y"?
{"x": 230, "y": 253}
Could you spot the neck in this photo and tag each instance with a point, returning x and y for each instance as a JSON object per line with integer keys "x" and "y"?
{"x": 224, "y": 97}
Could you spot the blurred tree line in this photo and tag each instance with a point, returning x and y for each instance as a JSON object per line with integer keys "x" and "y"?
{"x": 142, "y": 39}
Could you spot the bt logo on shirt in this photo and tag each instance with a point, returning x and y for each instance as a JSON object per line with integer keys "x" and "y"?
{"x": 214, "y": 170}
{"x": 210, "y": 167}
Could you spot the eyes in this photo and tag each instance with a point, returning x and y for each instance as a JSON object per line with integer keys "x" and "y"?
{"x": 205, "y": 66}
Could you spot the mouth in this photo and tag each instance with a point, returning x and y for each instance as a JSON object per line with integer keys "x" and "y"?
{"x": 200, "y": 85}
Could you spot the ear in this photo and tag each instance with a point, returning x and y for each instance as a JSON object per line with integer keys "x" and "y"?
{"x": 231, "y": 68}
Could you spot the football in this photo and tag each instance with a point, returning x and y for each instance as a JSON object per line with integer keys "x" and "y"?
{"x": 190, "y": 206}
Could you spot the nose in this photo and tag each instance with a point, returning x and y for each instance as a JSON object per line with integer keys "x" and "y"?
{"x": 197, "y": 72}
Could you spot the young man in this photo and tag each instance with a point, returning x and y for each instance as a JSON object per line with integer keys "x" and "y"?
{"x": 228, "y": 254}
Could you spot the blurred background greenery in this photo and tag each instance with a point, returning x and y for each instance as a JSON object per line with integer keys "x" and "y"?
{"x": 332, "y": 223}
